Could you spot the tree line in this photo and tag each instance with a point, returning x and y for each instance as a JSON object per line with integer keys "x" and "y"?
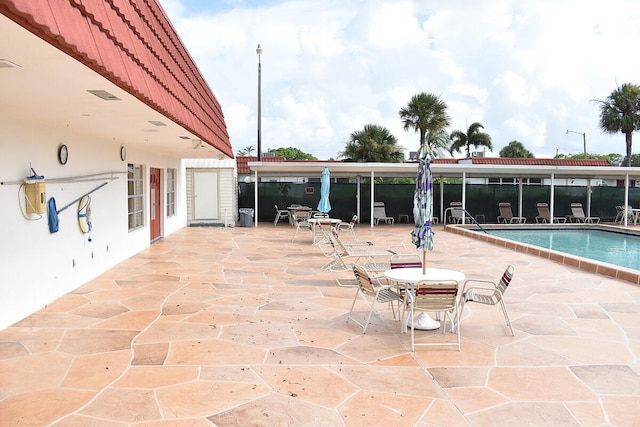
{"x": 426, "y": 114}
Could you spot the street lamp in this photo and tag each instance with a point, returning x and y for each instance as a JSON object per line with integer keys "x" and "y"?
{"x": 259, "y": 52}
{"x": 584, "y": 140}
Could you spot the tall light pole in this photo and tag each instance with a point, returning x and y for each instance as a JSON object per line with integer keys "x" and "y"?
{"x": 584, "y": 140}
{"x": 259, "y": 52}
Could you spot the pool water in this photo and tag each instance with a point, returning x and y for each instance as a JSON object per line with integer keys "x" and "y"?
{"x": 605, "y": 246}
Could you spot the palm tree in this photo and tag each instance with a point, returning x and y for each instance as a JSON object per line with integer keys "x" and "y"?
{"x": 620, "y": 112}
{"x": 515, "y": 149}
{"x": 426, "y": 113}
{"x": 246, "y": 151}
{"x": 439, "y": 142}
{"x": 372, "y": 144}
{"x": 474, "y": 136}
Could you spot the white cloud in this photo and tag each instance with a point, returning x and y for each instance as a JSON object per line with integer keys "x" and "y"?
{"x": 394, "y": 25}
{"x": 525, "y": 70}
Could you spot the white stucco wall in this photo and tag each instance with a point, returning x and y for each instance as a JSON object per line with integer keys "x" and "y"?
{"x": 36, "y": 266}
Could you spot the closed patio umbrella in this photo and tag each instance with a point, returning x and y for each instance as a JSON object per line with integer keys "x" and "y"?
{"x": 422, "y": 234}
{"x": 324, "y": 205}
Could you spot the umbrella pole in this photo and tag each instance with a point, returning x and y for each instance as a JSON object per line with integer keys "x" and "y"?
{"x": 424, "y": 262}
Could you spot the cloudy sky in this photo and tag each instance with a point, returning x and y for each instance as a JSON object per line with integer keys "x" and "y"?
{"x": 526, "y": 70}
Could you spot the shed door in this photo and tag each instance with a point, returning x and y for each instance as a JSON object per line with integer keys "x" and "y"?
{"x": 205, "y": 195}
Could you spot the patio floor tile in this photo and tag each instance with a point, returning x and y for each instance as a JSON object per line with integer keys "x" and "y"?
{"x": 226, "y": 327}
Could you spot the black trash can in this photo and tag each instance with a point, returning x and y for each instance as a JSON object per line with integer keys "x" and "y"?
{"x": 246, "y": 217}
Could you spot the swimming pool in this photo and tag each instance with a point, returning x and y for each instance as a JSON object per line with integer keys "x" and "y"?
{"x": 620, "y": 249}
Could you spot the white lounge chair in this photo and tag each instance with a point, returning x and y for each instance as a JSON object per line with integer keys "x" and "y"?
{"x": 506, "y": 216}
{"x": 380, "y": 214}
{"x": 544, "y": 215}
{"x": 579, "y": 216}
{"x": 343, "y": 258}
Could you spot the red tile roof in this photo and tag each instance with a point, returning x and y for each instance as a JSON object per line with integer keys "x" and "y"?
{"x": 132, "y": 44}
{"x": 242, "y": 162}
{"x": 526, "y": 162}
{"x": 538, "y": 162}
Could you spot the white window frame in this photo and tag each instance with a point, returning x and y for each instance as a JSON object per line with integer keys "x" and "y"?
{"x": 171, "y": 192}
{"x": 135, "y": 197}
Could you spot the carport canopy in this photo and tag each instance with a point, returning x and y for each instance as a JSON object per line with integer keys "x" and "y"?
{"x": 463, "y": 169}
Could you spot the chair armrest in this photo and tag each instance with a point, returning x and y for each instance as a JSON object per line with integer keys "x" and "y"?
{"x": 476, "y": 290}
{"x": 490, "y": 282}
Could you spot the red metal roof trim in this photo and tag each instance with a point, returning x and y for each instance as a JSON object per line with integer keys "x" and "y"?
{"x": 132, "y": 44}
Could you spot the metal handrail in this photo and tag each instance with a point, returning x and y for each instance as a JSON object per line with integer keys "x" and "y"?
{"x": 473, "y": 220}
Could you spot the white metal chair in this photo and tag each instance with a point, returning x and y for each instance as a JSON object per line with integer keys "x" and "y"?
{"x": 624, "y": 212}
{"x": 372, "y": 291}
{"x": 300, "y": 220}
{"x": 620, "y": 212}
{"x": 280, "y": 214}
{"x": 404, "y": 261}
{"x": 348, "y": 226}
{"x": 440, "y": 297}
{"x": 490, "y": 293}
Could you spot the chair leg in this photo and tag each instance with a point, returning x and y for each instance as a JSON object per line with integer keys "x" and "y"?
{"x": 456, "y": 325}
{"x": 506, "y": 316}
{"x": 364, "y": 325}
{"x": 353, "y": 304}
{"x": 411, "y": 319}
{"x": 461, "y": 305}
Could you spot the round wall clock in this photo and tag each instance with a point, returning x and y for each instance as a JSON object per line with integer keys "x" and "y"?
{"x": 63, "y": 154}
{"x": 123, "y": 153}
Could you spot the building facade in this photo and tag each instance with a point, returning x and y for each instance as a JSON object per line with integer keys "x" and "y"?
{"x": 100, "y": 99}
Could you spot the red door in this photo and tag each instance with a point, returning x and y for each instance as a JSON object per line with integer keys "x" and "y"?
{"x": 154, "y": 201}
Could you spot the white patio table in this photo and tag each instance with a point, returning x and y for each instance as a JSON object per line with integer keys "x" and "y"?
{"x": 413, "y": 275}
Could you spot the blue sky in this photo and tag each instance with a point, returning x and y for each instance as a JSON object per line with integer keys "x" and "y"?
{"x": 527, "y": 70}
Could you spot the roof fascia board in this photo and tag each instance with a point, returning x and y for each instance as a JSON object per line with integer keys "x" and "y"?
{"x": 287, "y": 169}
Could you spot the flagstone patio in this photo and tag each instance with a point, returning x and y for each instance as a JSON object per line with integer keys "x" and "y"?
{"x": 227, "y": 327}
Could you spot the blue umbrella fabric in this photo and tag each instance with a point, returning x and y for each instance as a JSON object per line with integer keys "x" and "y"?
{"x": 422, "y": 234}
{"x": 324, "y": 205}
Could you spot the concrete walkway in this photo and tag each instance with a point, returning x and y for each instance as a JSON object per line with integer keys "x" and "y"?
{"x": 240, "y": 326}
